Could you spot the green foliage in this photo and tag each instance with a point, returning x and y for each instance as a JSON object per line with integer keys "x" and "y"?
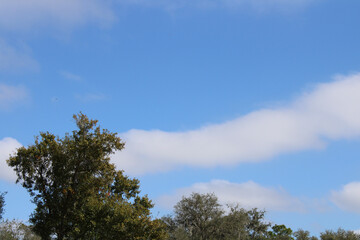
{"x": 77, "y": 191}
{"x": 234, "y": 225}
{"x": 303, "y": 235}
{"x": 16, "y": 230}
{"x": 200, "y": 217}
{"x": 280, "y": 232}
{"x": 341, "y": 234}
{"x": 2, "y": 204}
{"x": 257, "y": 227}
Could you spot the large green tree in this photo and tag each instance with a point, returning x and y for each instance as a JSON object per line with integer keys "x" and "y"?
{"x": 77, "y": 191}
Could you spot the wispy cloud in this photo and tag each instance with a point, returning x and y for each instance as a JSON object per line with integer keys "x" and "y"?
{"x": 12, "y": 95}
{"x": 71, "y": 76}
{"x": 20, "y": 15}
{"x": 248, "y": 195}
{"x": 7, "y": 147}
{"x": 25, "y": 15}
{"x": 348, "y": 198}
{"x": 329, "y": 112}
{"x": 15, "y": 59}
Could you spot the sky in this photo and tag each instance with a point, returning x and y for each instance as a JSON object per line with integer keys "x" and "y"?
{"x": 253, "y": 100}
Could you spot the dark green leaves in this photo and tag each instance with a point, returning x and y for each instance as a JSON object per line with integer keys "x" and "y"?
{"x": 77, "y": 191}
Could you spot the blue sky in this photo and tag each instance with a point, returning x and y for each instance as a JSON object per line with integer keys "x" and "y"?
{"x": 253, "y": 100}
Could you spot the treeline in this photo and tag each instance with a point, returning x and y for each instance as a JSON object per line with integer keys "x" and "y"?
{"x": 201, "y": 217}
{"x": 79, "y": 195}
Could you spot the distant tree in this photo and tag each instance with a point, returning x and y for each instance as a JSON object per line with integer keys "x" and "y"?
{"x": 16, "y": 230}
{"x": 341, "y": 234}
{"x": 2, "y": 204}
{"x": 304, "y": 235}
{"x": 77, "y": 191}
{"x": 200, "y": 217}
{"x": 280, "y": 232}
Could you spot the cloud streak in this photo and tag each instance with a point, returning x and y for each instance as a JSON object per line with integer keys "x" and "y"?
{"x": 248, "y": 195}
{"x": 12, "y": 95}
{"x": 7, "y": 147}
{"x": 13, "y": 59}
{"x": 27, "y": 14}
{"x": 329, "y": 112}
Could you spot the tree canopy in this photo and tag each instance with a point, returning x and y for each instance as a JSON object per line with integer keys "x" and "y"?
{"x": 200, "y": 217}
{"x": 340, "y": 234}
{"x": 77, "y": 191}
{"x": 280, "y": 232}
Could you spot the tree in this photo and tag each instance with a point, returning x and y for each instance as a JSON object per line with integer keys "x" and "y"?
{"x": 199, "y": 215}
{"x": 77, "y": 191}
{"x": 341, "y": 234}
{"x": 2, "y": 204}
{"x": 280, "y": 232}
{"x": 304, "y": 235}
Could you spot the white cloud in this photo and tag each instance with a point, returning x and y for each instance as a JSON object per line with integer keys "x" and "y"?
{"x": 329, "y": 112}
{"x": 7, "y": 147}
{"x": 248, "y": 195}
{"x": 27, "y": 14}
{"x": 348, "y": 198}
{"x": 15, "y": 59}
{"x": 12, "y": 95}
